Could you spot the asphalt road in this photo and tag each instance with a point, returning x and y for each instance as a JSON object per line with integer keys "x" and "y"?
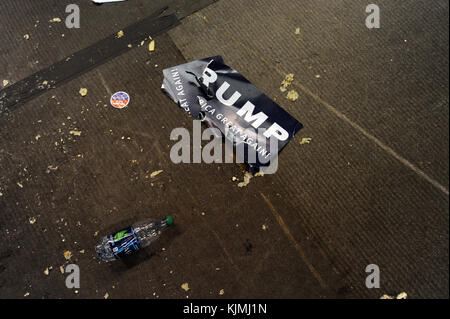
{"x": 370, "y": 188}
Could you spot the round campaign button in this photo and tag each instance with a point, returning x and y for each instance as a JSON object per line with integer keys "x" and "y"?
{"x": 120, "y": 100}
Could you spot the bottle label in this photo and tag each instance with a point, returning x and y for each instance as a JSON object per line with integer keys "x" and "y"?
{"x": 124, "y": 242}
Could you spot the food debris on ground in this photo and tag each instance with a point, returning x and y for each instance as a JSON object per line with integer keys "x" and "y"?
{"x": 67, "y": 254}
{"x": 246, "y": 181}
{"x": 292, "y": 95}
{"x": 151, "y": 46}
{"x": 156, "y": 173}
{"x": 75, "y": 132}
{"x": 37, "y": 137}
{"x": 83, "y": 91}
{"x": 297, "y": 31}
{"x": 120, "y": 34}
{"x": 26, "y": 294}
{"x": 58, "y": 20}
{"x": 305, "y": 140}
{"x": 47, "y": 270}
{"x": 106, "y": 296}
{"x": 248, "y": 177}
{"x": 61, "y": 269}
{"x": 185, "y": 286}
{"x": 51, "y": 168}
{"x": 221, "y": 292}
{"x": 5, "y": 83}
{"x": 19, "y": 184}
{"x": 130, "y": 45}
{"x": 402, "y": 295}
{"x": 286, "y": 82}
{"x": 26, "y": 36}
{"x": 264, "y": 227}
{"x": 32, "y": 220}
{"x": 234, "y": 179}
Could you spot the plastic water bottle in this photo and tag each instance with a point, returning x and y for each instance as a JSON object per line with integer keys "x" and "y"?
{"x": 131, "y": 239}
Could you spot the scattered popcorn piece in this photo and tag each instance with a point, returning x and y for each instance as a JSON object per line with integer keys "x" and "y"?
{"x": 129, "y": 45}
{"x": 402, "y": 295}
{"x": 83, "y": 91}
{"x": 5, "y": 83}
{"x": 75, "y": 132}
{"x": 58, "y": 20}
{"x": 305, "y": 140}
{"x": 185, "y": 286}
{"x": 264, "y": 227}
{"x": 32, "y": 220}
{"x": 51, "y": 168}
{"x": 37, "y": 137}
{"x": 292, "y": 95}
{"x": 120, "y": 34}
{"x": 67, "y": 254}
{"x": 19, "y": 184}
{"x": 246, "y": 181}
{"x": 61, "y": 269}
{"x": 297, "y": 31}
{"x": 151, "y": 46}
{"x": 286, "y": 82}
{"x": 26, "y": 294}
{"x": 221, "y": 292}
{"x": 234, "y": 179}
{"x": 26, "y": 36}
{"x": 156, "y": 173}
{"x": 106, "y": 296}
{"x": 386, "y": 297}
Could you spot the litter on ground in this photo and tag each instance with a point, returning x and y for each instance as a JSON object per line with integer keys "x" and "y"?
{"x": 151, "y": 46}
{"x": 83, "y": 91}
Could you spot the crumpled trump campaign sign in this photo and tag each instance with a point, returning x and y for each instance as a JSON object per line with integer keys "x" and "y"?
{"x": 221, "y": 97}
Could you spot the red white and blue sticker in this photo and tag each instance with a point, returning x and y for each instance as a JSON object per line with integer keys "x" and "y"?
{"x": 120, "y": 100}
